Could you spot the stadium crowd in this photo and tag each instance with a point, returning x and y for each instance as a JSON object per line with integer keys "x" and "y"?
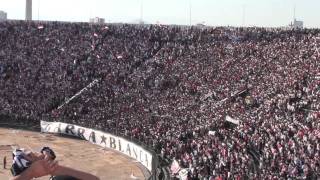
{"x": 171, "y": 88}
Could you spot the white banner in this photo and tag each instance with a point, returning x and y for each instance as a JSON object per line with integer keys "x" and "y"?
{"x": 234, "y": 121}
{"x": 79, "y": 93}
{"x": 102, "y": 139}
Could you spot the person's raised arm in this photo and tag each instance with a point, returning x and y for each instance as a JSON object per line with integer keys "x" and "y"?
{"x": 62, "y": 170}
{"x": 37, "y": 169}
{"x": 25, "y": 175}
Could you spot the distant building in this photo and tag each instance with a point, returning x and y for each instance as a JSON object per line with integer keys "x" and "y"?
{"x": 97, "y": 20}
{"x": 296, "y": 24}
{"x": 28, "y": 10}
{"x": 138, "y": 21}
{"x": 201, "y": 25}
{"x": 3, "y": 16}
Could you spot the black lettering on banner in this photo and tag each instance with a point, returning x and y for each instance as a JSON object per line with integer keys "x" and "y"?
{"x": 80, "y": 133}
{"x": 147, "y": 162}
{"x": 69, "y": 129}
{"x": 48, "y": 128}
{"x": 103, "y": 140}
{"x": 135, "y": 152}
{"x": 119, "y": 144}
{"x": 112, "y": 143}
{"x": 92, "y": 136}
{"x": 128, "y": 150}
{"x": 44, "y": 126}
{"x": 58, "y": 128}
{"x": 141, "y": 155}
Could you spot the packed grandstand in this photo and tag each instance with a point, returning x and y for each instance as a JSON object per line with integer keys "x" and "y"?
{"x": 171, "y": 88}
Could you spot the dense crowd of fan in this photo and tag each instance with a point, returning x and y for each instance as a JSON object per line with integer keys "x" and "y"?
{"x": 172, "y": 87}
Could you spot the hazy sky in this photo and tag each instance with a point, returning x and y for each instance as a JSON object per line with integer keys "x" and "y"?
{"x": 212, "y": 12}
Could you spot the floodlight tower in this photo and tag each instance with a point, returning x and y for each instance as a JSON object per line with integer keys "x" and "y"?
{"x": 141, "y": 11}
{"x": 294, "y": 12}
{"x": 190, "y": 12}
{"x": 243, "y": 15}
{"x": 28, "y": 10}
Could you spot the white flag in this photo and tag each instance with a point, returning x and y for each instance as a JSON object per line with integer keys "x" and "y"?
{"x": 234, "y": 121}
{"x": 183, "y": 174}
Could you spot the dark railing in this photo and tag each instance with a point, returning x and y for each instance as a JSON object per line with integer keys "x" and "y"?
{"x": 19, "y": 122}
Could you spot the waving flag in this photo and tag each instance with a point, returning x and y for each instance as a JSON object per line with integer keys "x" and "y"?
{"x": 234, "y": 121}
{"x": 183, "y": 174}
{"x": 175, "y": 167}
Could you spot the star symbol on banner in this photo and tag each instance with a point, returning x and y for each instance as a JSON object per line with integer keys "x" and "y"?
{"x": 103, "y": 139}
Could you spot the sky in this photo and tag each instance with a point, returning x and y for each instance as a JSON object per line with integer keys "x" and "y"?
{"x": 266, "y": 13}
